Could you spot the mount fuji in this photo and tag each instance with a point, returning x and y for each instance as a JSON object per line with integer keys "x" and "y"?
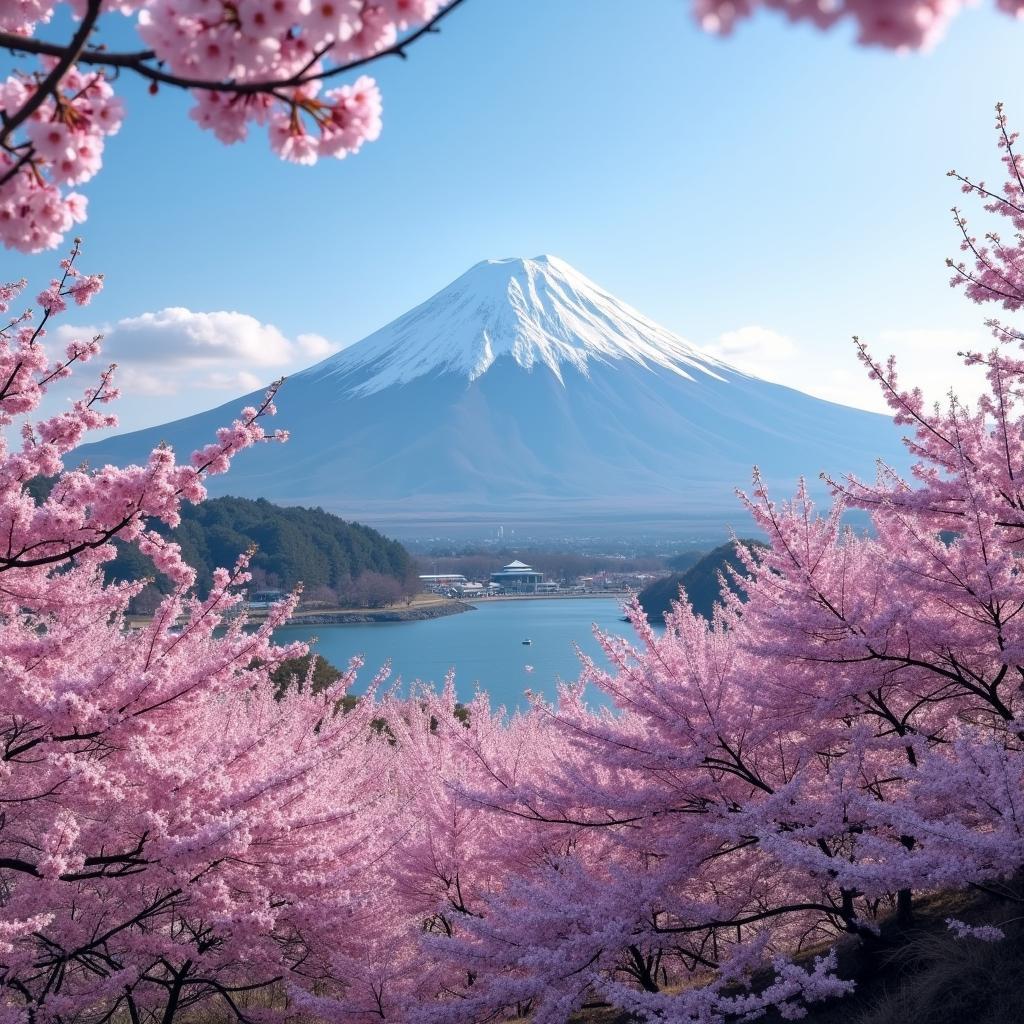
{"x": 525, "y": 394}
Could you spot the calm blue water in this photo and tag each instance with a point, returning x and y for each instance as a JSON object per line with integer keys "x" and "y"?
{"x": 483, "y": 646}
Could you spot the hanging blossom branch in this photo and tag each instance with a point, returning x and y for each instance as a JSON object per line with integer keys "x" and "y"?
{"x": 994, "y": 271}
{"x": 262, "y": 62}
{"x": 110, "y": 503}
{"x": 951, "y": 436}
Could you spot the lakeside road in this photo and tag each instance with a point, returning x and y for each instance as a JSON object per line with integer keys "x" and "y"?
{"x": 427, "y": 606}
{"x": 567, "y": 596}
{"x": 360, "y": 616}
{"x": 422, "y": 607}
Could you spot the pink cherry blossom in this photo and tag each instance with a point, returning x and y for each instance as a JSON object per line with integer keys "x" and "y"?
{"x": 842, "y": 739}
{"x": 894, "y": 24}
{"x": 257, "y": 63}
{"x": 994, "y": 269}
{"x": 245, "y": 62}
{"x": 191, "y": 836}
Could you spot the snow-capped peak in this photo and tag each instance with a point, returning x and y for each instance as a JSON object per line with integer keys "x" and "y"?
{"x": 539, "y": 312}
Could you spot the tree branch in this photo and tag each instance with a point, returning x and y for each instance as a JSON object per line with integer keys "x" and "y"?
{"x": 66, "y": 57}
{"x": 138, "y": 61}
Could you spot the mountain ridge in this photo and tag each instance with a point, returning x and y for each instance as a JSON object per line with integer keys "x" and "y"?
{"x": 523, "y": 394}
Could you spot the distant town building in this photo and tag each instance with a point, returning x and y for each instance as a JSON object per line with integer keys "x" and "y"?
{"x": 442, "y": 581}
{"x": 265, "y": 598}
{"x": 518, "y": 578}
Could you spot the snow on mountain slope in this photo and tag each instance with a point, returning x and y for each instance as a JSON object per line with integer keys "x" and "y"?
{"x": 525, "y": 394}
{"x": 538, "y": 312}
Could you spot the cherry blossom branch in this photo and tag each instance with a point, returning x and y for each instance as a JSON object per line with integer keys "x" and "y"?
{"x": 137, "y": 62}
{"x": 66, "y": 57}
{"x": 243, "y": 66}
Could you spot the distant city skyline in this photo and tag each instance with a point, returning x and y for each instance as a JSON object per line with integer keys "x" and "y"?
{"x": 760, "y": 196}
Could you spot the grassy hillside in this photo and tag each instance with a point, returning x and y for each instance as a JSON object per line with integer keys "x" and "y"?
{"x": 922, "y": 974}
{"x": 700, "y": 582}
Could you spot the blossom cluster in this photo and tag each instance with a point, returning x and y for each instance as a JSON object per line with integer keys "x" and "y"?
{"x": 984, "y": 932}
{"x": 63, "y": 146}
{"x": 894, "y": 24}
{"x": 22, "y": 16}
{"x": 283, "y": 42}
{"x": 263, "y": 62}
{"x": 994, "y": 270}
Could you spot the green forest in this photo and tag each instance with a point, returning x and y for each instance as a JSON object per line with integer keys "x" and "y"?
{"x": 701, "y": 581}
{"x": 337, "y": 562}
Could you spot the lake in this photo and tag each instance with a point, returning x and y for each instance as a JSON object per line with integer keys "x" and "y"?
{"x": 484, "y": 646}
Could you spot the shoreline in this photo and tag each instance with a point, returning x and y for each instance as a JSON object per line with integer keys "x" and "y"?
{"x": 422, "y": 608}
{"x": 364, "y": 616}
{"x": 554, "y": 597}
{"x": 428, "y": 610}
{"x": 417, "y": 612}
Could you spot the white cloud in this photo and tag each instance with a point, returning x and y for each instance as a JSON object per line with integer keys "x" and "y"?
{"x": 753, "y": 347}
{"x": 315, "y": 346}
{"x": 133, "y": 381}
{"x": 174, "y": 349}
{"x": 925, "y": 358}
{"x": 177, "y": 336}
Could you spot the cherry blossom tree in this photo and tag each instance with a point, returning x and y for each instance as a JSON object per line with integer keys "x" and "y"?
{"x": 179, "y": 824}
{"x": 450, "y": 855}
{"x": 170, "y": 831}
{"x": 272, "y": 63}
{"x": 845, "y": 735}
{"x": 652, "y": 875}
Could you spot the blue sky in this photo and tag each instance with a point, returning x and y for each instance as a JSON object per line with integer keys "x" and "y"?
{"x": 783, "y": 188}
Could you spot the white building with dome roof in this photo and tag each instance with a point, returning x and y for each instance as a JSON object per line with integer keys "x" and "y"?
{"x": 518, "y": 578}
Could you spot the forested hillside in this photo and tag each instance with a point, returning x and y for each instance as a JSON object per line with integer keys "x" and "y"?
{"x": 700, "y": 582}
{"x": 335, "y": 560}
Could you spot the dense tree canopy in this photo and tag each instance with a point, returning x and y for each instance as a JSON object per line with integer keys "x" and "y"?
{"x": 179, "y": 827}
{"x": 291, "y": 546}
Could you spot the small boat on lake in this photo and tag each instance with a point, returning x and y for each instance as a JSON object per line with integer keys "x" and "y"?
{"x": 527, "y": 642}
